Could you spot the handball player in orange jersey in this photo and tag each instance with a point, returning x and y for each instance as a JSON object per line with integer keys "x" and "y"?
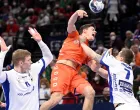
{"x": 65, "y": 77}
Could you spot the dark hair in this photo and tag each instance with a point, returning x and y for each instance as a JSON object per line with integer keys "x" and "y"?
{"x": 85, "y": 27}
{"x": 127, "y": 54}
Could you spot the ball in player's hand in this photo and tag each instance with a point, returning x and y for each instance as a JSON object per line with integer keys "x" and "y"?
{"x": 96, "y": 6}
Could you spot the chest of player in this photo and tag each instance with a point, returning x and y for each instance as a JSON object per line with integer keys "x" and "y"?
{"x": 22, "y": 84}
{"x": 72, "y": 47}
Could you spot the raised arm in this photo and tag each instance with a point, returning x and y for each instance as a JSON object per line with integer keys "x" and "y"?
{"x": 92, "y": 54}
{"x": 71, "y": 23}
{"x": 4, "y": 50}
{"x": 47, "y": 55}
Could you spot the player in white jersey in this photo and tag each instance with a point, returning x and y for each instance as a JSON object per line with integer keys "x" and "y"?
{"x": 120, "y": 76}
{"x": 21, "y": 84}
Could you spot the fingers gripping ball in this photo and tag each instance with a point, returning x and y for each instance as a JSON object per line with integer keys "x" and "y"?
{"x": 96, "y": 6}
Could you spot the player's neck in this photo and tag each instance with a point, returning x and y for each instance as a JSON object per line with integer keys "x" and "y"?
{"x": 19, "y": 69}
{"x": 82, "y": 38}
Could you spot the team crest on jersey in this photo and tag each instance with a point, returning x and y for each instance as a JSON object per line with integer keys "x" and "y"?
{"x": 76, "y": 41}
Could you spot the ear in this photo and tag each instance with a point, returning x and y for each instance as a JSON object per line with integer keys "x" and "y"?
{"x": 84, "y": 30}
{"x": 121, "y": 59}
{"x": 20, "y": 62}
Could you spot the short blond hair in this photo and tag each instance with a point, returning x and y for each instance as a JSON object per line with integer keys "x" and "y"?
{"x": 19, "y": 55}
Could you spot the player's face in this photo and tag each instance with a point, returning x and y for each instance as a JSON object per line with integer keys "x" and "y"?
{"x": 27, "y": 63}
{"x": 90, "y": 33}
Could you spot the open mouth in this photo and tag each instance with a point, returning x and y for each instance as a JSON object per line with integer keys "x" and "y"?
{"x": 93, "y": 35}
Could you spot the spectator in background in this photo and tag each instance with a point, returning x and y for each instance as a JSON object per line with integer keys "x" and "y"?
{"x": 44, "y": 90}
{"x": 64, "y": 3}
{"x": 137, "y": 31}
{"x": 8, "y": 39}
{"x": 15, "y": 9}
{"x": 115, "y": 40}
{"x": 19, "y": 40}
{"x": 129, "y": 39}
{"x": 112, "y": 13}
{"x": 43, "y": 19}
{"x": 135, "y": 49}
{"x": 5, "y": 9}
{"x": 98, "y": 83}
{"x": 12, "y": 27}
{"x": 100, "y": 48}
{"x": 32, "y": 17}
{"x": 138, "y": 7}
{"x": 106, "y": 96}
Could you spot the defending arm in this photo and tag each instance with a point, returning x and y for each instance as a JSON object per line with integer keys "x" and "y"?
{"x": 92, "y": 54}
{"x": 47, "y": 55}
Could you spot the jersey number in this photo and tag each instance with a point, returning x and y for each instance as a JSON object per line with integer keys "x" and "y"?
{"x": 128, "y": 73}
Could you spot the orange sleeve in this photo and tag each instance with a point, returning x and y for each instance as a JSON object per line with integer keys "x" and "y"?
{"x": 73, "y": 34}
{"x": 84, "y": 75}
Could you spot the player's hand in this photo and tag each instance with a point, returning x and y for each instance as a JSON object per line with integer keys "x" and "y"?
{"x": 35, "y": 35}
{"x": 2, "y": 104}
{"x": 3, "y": 45}
{"x": 110, "y": 51}
{"x": 94, "y": 65}
{"x": 82, "y": 13}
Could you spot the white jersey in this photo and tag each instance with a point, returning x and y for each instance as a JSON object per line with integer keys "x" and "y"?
{"x": 21, "y": 89}
{"x": 120, "y": 79}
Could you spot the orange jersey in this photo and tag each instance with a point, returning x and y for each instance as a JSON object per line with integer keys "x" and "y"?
{"x": 137, "y": 59}
{"x": 72, "y": 50}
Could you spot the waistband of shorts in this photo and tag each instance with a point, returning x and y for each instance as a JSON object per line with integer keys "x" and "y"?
{"x": 70, "y": 63}
{"x": 118, "y": 104}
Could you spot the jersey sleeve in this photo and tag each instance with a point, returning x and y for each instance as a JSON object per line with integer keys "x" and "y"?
{"x": 73, "y": 34}
{"x": 3, "y": 77}
{"x": 107, "y": 59}
{"x": 39, "y": 66}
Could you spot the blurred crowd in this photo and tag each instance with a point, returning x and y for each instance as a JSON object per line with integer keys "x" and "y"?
{"x": 122, "y": 17}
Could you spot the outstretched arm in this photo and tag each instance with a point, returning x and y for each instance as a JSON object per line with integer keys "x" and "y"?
{"x": 47, "y": 55}
{"x": 92, "y": 54}
{"x": 4, "y": 50}
{"x": 96, "y": 67}
{"x": 71, "y": 23}
{"x": 94, "y": 64}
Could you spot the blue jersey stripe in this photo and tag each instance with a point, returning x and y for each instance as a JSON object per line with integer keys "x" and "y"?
{"x": 6, "y": 89}
{"x": 109, "y": 75}
{"x": 41, "y": 71}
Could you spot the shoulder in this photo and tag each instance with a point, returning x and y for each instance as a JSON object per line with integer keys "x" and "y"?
{"x": 73, "y": 34}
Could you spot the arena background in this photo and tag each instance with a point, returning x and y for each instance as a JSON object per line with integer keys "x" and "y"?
{"x": 50, "y": 17}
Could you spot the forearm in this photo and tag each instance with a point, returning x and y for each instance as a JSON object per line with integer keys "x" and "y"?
{"x": 45, "y": 51}
{"x": 103, "y": 73}
{"x": 73, "y": 19}
{"x": 71, "y": 23}
{"x": 91, "y": 53}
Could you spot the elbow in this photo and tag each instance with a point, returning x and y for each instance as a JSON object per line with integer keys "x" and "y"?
{"x": 48, "y": 58}
{"x": 51, "y": 57}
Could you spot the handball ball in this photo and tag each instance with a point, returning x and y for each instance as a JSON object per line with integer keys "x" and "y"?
{"x": 96, "y": 6}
